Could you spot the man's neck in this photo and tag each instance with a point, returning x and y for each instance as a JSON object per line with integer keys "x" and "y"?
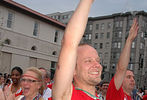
{"x": 128, "y": 92}
{"x": 89, "y": 88}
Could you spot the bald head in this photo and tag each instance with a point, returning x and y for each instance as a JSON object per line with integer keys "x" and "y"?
{"x": 85, "y": 49}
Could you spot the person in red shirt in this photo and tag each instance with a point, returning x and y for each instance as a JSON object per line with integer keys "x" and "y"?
{"x": 122, "y": 84}
{"x": 145, "y": 95}
{"x": 80, "y": 63}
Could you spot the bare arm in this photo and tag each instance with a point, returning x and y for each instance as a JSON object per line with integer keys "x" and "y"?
{"x": 125, "y": 56}
{"x": 67, "y": 59}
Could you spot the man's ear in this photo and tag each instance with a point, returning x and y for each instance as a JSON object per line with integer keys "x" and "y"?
{"x": 75, "y": 70}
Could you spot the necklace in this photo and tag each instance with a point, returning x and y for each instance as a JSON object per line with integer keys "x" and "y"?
{"x": 35, "y": 98}
{"x": 92, "y": 96}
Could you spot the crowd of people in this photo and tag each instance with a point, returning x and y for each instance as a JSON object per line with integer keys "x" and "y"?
{"x": 78, "y": 72}
{"x": 33, "y": 84}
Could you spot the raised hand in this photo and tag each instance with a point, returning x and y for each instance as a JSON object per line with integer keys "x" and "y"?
{"x": 8, "y": 94}
{"x": 133, "y": 31}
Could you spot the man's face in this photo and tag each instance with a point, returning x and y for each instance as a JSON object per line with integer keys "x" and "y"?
{"x": 88, "y": 69}
{"x": 129, "y": 81}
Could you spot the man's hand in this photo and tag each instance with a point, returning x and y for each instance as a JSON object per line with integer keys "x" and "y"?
{"x": 133, "y": 31}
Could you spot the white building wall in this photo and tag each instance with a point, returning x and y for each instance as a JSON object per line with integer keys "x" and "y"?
{"x": 20, "y": 60}
{"x": 22, "y": 39}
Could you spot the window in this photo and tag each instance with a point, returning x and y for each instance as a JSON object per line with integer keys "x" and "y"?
{"x": 116, "y": 34}
{"x": 141, "y": 45}
{"x": 90, "y": 36}
{"x": 108, "y": 35}
{"x": 95, "y": 45}
{"x": 10, "y": 19}
{"x": 101, "y": 45}
{"x": 114, "y": 45}
{"x": 96, "y": 35}
{"x": 120, "y": 24}
{"x": 117, "y": 55}
{"x": 86, "y": 37}
{"x": 117, "y": 24}
{"x": 109, "y": 25}
{"x": 102, "y": 26}
{"x": 142, "y": 34}
{"x": 131, "y": 56}
{"x": 130, "y": 22}
{"x": 101, "y": 35}
{"x": 34, "y": 48}
{"x": 97, "y": 26}
{"x": 90, "y": 27}
{"x": 145, "y": 34}
{"x": 54, "y": 53}
{"x": 133, "y": 44}
{"x": 107, "y": 45}
{"x": 113, "y": 66}
{"x": 106, "y": 55}
{"x": 114, "y": 55}
{"x": 119, "y": 34}
{"x": 119, "y": 45}
{"x": 100, "y": 54}
{"x": 131, "y": 66}
{"x": 53, "y": 66}
{"x": 56, "y": 36}
{"x": 36, "y": 28}
{"x": 7, "y": 41}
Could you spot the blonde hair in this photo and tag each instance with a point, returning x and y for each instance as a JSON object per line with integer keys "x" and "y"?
{"x": 39, "y": 77}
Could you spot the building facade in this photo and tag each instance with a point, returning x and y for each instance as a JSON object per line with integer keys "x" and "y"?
{"x": 27, "y": 38}
{"x": 107, "y": 34}
{"x": 62, "y": 17}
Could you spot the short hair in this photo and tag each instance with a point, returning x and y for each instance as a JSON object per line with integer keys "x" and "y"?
{"x": 130, "y": 70}
{"x": 18, "y": 69}
{"x": 48, "y": 74}
{"x": 83, "y": 44}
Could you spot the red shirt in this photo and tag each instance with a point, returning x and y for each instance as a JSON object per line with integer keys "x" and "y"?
{"x": 80, "y": 95}
{"x": 18, "y": 92}
{"x": 114, "y": 94}
{"x": 145, "y": 97}
{"x": 50, "y": 85}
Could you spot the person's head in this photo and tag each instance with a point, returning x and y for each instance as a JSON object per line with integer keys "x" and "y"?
{"x": 31, "y": 82}
{"x": 129, "y": 81}
{"x": 16, "y": 74}
{"x": 5, "y": 75}
{"x": 104, "y": 87}
{"x": 1, "y": 74}
{"x": 46, "y": 75}
{"x": 1, "y": 79}
{"x": 140, "y": 90}
{"x": 145, "y": 92}
{"x": 88, "y": 69}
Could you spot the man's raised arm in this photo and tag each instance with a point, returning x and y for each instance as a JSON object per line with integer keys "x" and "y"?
{"x": 125, "y": 56}
{"x": 62, "y": 88}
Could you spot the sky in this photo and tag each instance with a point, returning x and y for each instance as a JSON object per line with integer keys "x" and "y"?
{"x": 99, "y": 7}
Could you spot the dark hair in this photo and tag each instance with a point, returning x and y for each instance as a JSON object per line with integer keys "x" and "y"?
{"x": 1, "y": 74}
{"x": 18, "y": 69}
